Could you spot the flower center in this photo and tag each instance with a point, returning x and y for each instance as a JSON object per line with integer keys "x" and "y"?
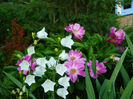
{"x": 73, "y": 58}
{"x": 73, "y": 71}
{"x": 74, "y": 30}
{"x": 113, "y": 40}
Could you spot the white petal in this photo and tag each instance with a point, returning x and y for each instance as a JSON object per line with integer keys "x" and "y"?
{"x": 62, "y": 92}
{"x": 42, "y": 34}
{"x": 67, "y": 41}
{"x": 30, "y": 79}
{"x": 39, "y": 71}
{"x": 48, "y": 85}
{"x": 51, "y": 62}
{"x": 64, "y": 81}
{"x": 61, "y": 69}
{"x": 63, "y": 56}
{"x": 41, "y": 61}
{"x": 24, "y": 65}
{"x": 31, "y": 50}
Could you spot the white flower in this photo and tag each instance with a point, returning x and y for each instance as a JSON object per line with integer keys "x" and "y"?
{"x": 24, "y": 65}
{"x": 42, "y": 34}
{"x": 51, "y": 62}
{"x": 39, "y": 71}
{"x": 48, "y": 85}
{"x": 67, "y": 41}
{"x": 61, "y": 69}
{"x": 64, "y": 81}
{"x": 31, "y": 50}
{"x": 30, "y": 79}
{"x": 41, "y": 61}
{"x": 62, "y": 92}
{"x": 63, "y": 56}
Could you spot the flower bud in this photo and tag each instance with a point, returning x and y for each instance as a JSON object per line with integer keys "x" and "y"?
{"x": 59, "y": 39}
{"x": 19, "y": 56}
{"x": 35, "y": 42}
{"x": 13, "y": 92}
{"x": 33, "y": 35}
{"x": 23, "y": 89}
{"x": 56, "y": 49}
{"x": 18, "y": 90}
{"x": 21, "y": 93}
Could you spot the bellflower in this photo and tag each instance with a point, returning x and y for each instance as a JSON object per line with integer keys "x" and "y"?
{"x": 100, "y": 68}
{"x": 30, "y": 79}
{"x": 61, "y": 69}
{"x": 48, "y": 85}
{"x": 62, "y": 92}
{"x": 64, "y": 81}
{"x": 67, "y": 41}
{"x": 116, "y": 37}
{"x": 51, "y": 62}
{"x": 31, "y": 50}
{"x": 42, "y": 62}
{"x": 76, "y": 29}
{"x": 39, "y": 71}
{"x": 24, "y": 65}
{"x": 42, "y": 34}
{"x": 74, "y": 69}
{"x": 63, "y": 56}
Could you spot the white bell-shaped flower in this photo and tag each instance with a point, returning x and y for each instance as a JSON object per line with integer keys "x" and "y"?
{"x": 31, "y": 50}
{"x": 61, "y": 69}
{"x": 39, "y": 71}
{"x": 30, "y": 79}
{"x": 42, "y": 34}
{"x": 48, "y": 85}
{"x": 62, "y": 92}
{"x": 63, "y": 56}
{"x": 51, "y": 62}
{"x": 24, "y": 65}
{"x": 64, "y": 81}
{"x": 42, "y": 62}
{"x": 67, "y": 41}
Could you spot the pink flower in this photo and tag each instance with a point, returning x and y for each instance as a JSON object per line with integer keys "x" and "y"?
{"x": 100, "y": 68}
{"x": 76, "y": 55}
{"x": 18, "y": 62}
{"x": 76, "y": 29}
{"x": 27, "y": 58}
{"x": 116, "y": 37}
{"x": 116, "y": 58}
{"x": 24, "y": 72}
{"x": 74, "y": 69}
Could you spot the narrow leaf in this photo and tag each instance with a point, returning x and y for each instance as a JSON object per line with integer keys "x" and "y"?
{"x": 130, "y": 44}
{"x": 128, "y": 90}
{"x": 89, "y": 86}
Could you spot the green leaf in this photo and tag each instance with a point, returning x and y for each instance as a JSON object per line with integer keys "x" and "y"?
{"x": 9, "y": 67}
{"x": 118, "y": 67}
{"x": 98, "y": 85}
{"x": 18, "y": 83}
{"x": 128, "y": 90}
{"x": 89, "y": 86}
{"x": 77, "y": 44}
{"x": 94, "y": 65}
{"x": 130, "y": 44}
{"x": 50, "y": 40}
{"x": 125, "y": 75}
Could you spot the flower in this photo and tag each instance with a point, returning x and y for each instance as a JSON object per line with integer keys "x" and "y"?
{"x": 61, "y": 69}
{"x": 76, "y": 55}
{"x": 42, "y": 34}
{"x": 74, "y": 69}
{"x": 64, "y": 81}
{"x": 24, "y": 65}
{"x": 51, "y": 62}
{"x": 31, "y": 50}
{"x": 63, "y": 56}
{"x": 48, "y": 85}
{"x": 30, "y": 79}
{"x": 116, "y": 37}
{"x": 42, "y": 62}
{"x": 67, "y": 41}
{"x": 116, "y": 58}
{"x": 100, "y": 68}
{"x": 39, "y": 71}
{"x": 76, "y": 29}
{"x": 62, "y": 92}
